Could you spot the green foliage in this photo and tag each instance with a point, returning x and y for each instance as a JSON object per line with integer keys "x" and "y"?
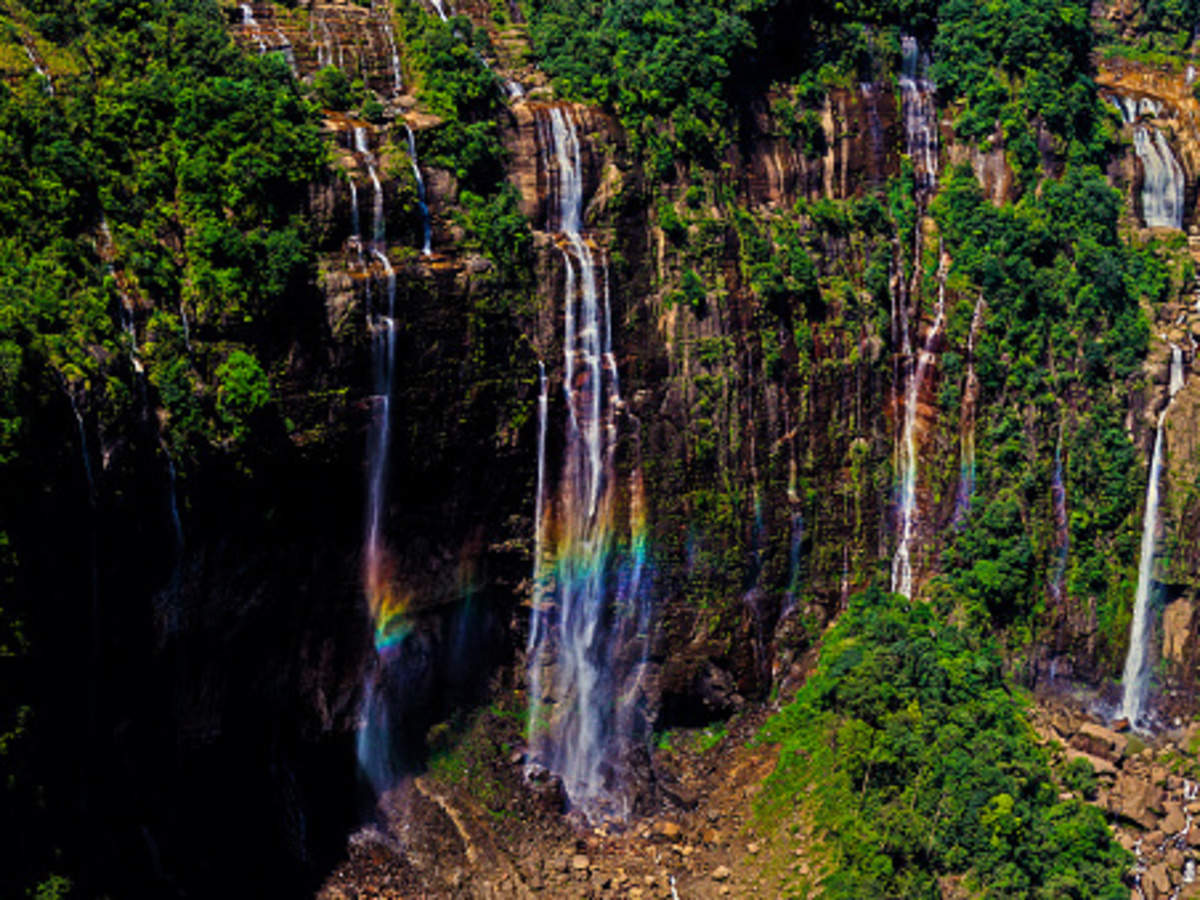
{"x": 55, "y": 887}
{"x": 496, "y": 227}
{"x": 914, "y": 760}
{"x": 1064, "y": 309}
{"x": 1040, "y": 51}
{"x": 332, "y": 87}
{"x": 453, "y": 82}
{"x": 242, "y": 392}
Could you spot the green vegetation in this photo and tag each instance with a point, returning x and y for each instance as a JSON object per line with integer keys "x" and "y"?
{"x": 914, "y": 762}
{"x": 1064, "y": 317}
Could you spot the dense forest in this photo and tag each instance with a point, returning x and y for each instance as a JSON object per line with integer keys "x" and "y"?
{"x": 487, "y": 431}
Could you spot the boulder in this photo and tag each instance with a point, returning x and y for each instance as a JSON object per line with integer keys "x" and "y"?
{"x": 1174, "y": 821}
{"x": 1136, "y": 800}
{"x": 1101, "y": 765}
{"x": 1157, "y": 875}
{"x": 1096, "y": 740}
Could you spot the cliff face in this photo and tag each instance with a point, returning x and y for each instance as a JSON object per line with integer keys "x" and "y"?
{"x": 768, "y": 427}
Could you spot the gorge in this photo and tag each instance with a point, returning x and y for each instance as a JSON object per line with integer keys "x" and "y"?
{"x": 586, "y": 449}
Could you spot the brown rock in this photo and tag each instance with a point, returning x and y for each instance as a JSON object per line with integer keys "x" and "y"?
{"x": 667, "y": 829}
{"x": 579, "y": 862}
{"x": 1177, "y": 628}
{"x": 1174, "y": 821}
{"x": 721, "y": 873}
{"x": 1099, "y": 764}
{"x": 1158, "y": 876}
{"x": 1136, "y": 800}
{"x": 1096, "y": 740}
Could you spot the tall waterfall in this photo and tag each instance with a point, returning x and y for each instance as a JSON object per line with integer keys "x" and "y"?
{"x": 902, "y": 561}
{"x": 920, "y": 115}
{"x": 590, "y": 616}
{"x": 970, "y": 401}
{"x": 386, "y": 605}
{"x": 1163, "y": 179}
{"x": 427, "y": 230}
{"x": 1062, "y": 531}
{"x": 921, "y": 144}
{"x": 1135, "y": 679}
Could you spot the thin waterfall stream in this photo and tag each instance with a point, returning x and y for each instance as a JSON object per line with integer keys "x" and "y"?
{"x": 970, "y": 401}
{"x": 1135, "y": 679}
{"x": 427, "y": 230}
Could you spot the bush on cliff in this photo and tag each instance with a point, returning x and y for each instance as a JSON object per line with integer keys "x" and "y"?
{"x": 914, "y": 761}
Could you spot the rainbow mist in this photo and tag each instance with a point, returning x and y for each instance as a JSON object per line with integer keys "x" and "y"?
{"x": 590, "y": 618}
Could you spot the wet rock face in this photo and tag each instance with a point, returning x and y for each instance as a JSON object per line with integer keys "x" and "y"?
{"x": 350, "y": 37}
{"x": 857, "y": 149}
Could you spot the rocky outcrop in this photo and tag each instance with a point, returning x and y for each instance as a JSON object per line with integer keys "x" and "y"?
{"x": 1151, "y": 793}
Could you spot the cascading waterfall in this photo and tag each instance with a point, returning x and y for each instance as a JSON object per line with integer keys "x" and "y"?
{"x": 1062, "y": 531}
{"x": 440, "y": 9}
{"x": 426, "y": 228}
{"x": 1135, "y": 679}
{"x": 397, "y": 82}
{"x": 902, "y": 562}
{"x": 387, "y": 607}
{"x": 920, "y": 116}
{"x": 875, "y": 126}
{"x": 538, "y": 619}
{"x": 282, "y": 44}
{"x": 966, "y": 472}
{"x": 921, "y": 144}
{"x": 591, "y": 616}
{"x": 325, "y": 48}
{"x": 172, "y": 497}
{"x": 795, "y": 542}
{"x": 252, "y": 26}
{"x": 40, "y": 69}
{"x": 1163, "y": 180}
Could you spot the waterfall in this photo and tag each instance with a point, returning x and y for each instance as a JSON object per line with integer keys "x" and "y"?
{"x": 426, "y": 228}
{"x": 325, "y": 48}
{"x": 875, "y": 125}
{"x": 795, "y": 543}
{"x": 252, "y": 26}
{"x": 397, "y": 83}
{"x": 441, "y": 10}
{"x": 282, "y": 44}
{"x": 1062, "y": 531}
{"x": 1135, "y": 679}
{"x": 386, "y": 607}
{"x": 1163, "y": 178}
{"x": 590, "y": 619}
{"x": 970, "y": 401}
{"x": 907, "y": 501}
{"x": 40, "y": 69}
{"x": 920, "y": 115}
{"x": 538, "y": 611}
{"x": 172, "y": 497}
{"x": 921, "y": 144}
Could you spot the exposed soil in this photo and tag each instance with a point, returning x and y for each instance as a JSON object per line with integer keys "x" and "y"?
{"x": 485, "y": 832}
